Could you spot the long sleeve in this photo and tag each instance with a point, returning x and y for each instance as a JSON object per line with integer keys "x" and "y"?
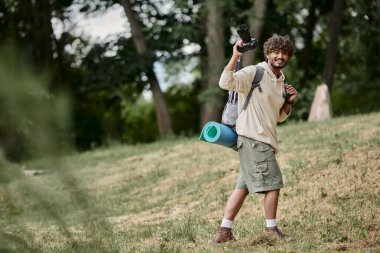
{"x": 239, "y": 81}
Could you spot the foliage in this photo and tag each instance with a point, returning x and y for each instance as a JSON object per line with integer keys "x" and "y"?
{"x": 138, "y": 119}
{"x": 31, "y": 116}
{"x": 139, "y": 123}
{"x": 184, "y": 108}
{"x": 110, "y": 76}
{"x": 357, "y": 74}
{"x": 114, "y": 64}
{"x": 97, "y": 119}
{"x": 105, "y": 80}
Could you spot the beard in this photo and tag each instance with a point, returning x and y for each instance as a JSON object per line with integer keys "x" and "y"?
{"x": 277, "y": 64}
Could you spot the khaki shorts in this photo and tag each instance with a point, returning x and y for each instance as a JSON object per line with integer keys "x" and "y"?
{"x": 259, "y": 170}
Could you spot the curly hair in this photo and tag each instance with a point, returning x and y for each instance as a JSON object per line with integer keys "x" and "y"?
{"x": 279, "y": 43}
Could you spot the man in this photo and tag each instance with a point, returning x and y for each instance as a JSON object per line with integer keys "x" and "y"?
{"x": 256, "y": 129}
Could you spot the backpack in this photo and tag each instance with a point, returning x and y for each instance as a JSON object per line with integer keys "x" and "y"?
{"x": 230, "y": 112}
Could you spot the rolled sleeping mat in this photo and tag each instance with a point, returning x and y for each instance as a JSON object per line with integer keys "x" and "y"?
{"x": 220, "y": 134}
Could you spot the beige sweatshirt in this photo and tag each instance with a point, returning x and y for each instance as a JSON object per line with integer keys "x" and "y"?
{"x": 260, "y": 119}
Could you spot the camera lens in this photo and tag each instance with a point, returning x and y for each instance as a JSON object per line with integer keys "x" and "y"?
{"x": 244, "y": 33}
{"x": 243, "y": 27}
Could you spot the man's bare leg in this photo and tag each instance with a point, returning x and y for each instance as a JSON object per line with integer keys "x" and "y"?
{"x": 270, "y": 209}
{"x": 270, "y": 204}
{"x": 234, "y": 203}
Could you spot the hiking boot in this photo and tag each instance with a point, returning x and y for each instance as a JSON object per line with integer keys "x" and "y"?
{"x": 224, "y": 235}
{"x": 274, "y": 232}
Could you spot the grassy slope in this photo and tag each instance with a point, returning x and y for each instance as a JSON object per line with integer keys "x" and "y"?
{"x": 169, "y": 196}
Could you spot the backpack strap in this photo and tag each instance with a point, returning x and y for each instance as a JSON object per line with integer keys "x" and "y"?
{"x": 255, "y": 84}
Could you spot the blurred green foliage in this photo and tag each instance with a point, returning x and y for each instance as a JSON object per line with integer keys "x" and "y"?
{"x": 139, "y": 122}
{"x": 105, "y": 80}
{"x": 34, "y": 122}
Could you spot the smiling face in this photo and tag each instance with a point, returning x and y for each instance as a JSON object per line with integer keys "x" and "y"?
{"x": 277, "y": 60}
{"x": 277, "y": 51}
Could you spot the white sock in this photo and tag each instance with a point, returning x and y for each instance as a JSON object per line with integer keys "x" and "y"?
{"x": 271, "y": 223}
{"x": 226, "y": 223}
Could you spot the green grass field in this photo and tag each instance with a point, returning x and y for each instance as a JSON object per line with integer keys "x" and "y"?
{"x": 169, "y": 196}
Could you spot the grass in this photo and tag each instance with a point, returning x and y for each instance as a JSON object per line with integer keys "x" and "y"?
{"x": 169, "y": 196}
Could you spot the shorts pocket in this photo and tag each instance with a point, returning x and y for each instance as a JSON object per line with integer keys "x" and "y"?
{"x": 262, "y": 147}
{"x": 263, "y": 152}
{"x": 259, "y": 174}
{"x": 259, "y": 156}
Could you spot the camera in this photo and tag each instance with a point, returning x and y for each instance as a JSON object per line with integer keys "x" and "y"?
{"x": 249, "y": 43}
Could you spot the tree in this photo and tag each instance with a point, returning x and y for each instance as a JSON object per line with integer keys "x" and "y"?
{"x": 256, "y": 23}
{"x": 27, "y": 27}
{"x": 162, "y": 113}
{"x": 211, "y": 108}
{"x": 316, "y": 11}
{"x": 356, "y": 82}
{"x": 330, "y": 60}
{"x": 311, "y": 21}
{"x": 124, "y": 72}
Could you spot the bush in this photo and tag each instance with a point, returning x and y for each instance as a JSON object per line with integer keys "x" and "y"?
{"x": 139, "y": 122}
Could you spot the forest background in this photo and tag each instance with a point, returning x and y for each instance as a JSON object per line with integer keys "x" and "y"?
{"x": 112, "y": 88}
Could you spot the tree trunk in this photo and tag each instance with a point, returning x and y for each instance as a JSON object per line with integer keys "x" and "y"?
{"x": 34, "y": 32}
{"x": 43, "y": 33}
{"x": 308, "y": 39}
{"x": 330, "y": 61}
{"x": 256, "y": 23}
{"x": 162, "y": 113}
{"x": 204, "y": 84}
{"x": 211, "y": 109}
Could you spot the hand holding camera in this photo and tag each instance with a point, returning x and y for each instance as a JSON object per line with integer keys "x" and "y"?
{"x": 291, "y": 94}
{"x": 248, "y": 43}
